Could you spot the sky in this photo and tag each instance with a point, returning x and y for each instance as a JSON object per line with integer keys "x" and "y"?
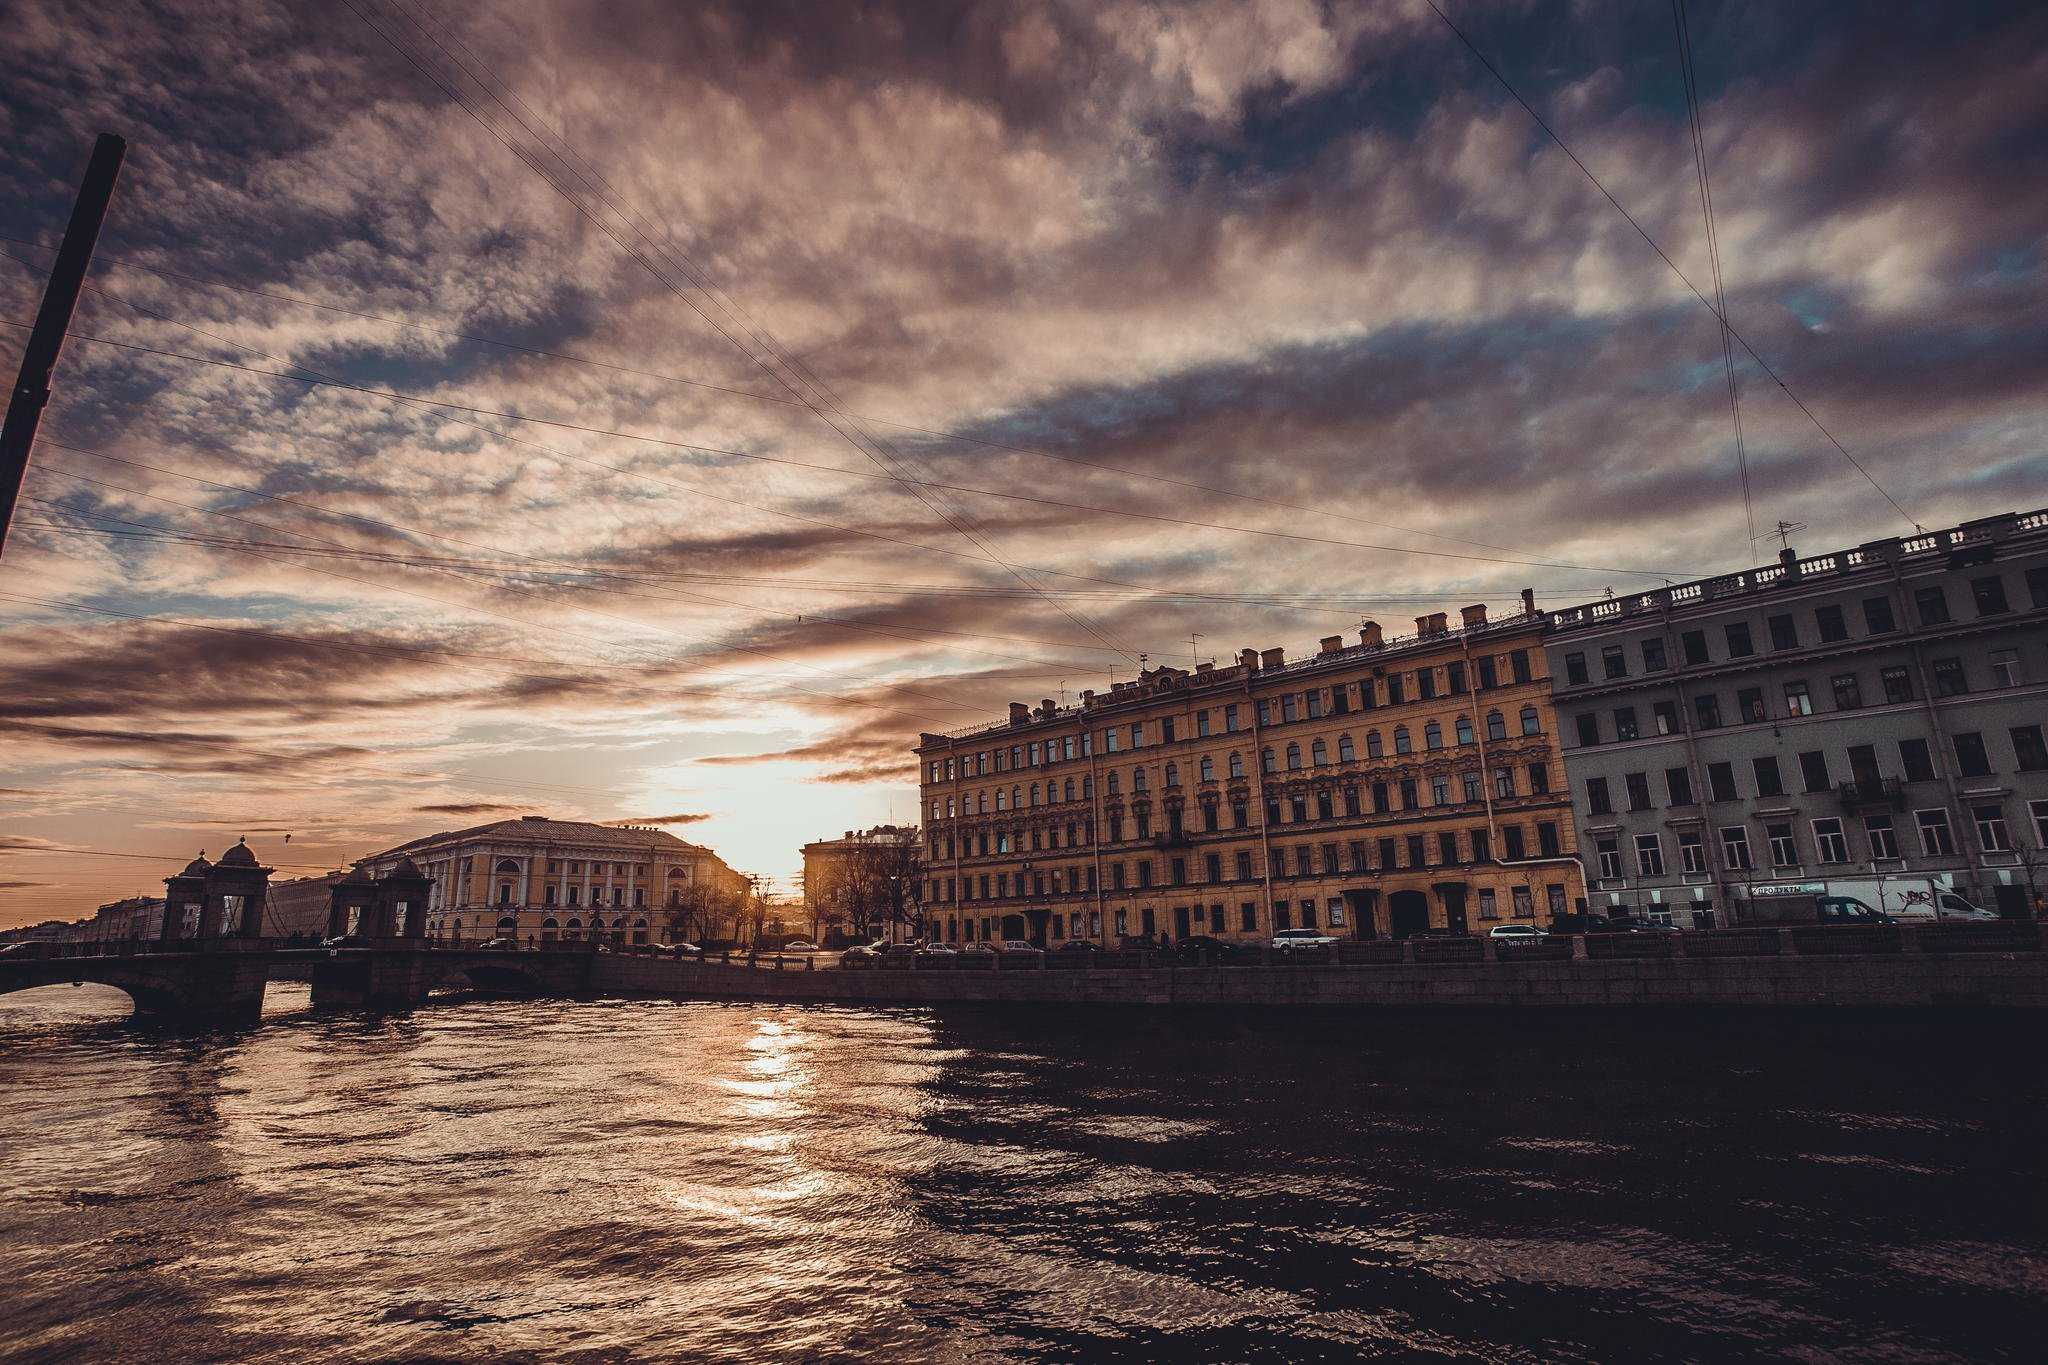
{"x": 626, "y": 411}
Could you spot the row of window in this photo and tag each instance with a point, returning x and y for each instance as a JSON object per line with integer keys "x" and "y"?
{"x": 1916, "y": 762}
{"x": 1021, "y": 796}
{"x": 1948, "y": 678}
{"x": 1310, "y": 705}
{"x": 1829, "y": 839}
{"x": 1830, "y": 625}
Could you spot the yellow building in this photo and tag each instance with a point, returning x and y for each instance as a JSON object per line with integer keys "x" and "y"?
{"x": 1372, "y": 790}
{"x": 540, "y": 880}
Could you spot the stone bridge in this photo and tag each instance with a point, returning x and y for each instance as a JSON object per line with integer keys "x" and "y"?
{"x": 221, "y": 982}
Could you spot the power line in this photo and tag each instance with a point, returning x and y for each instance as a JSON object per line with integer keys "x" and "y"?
{"x": 1719, "y": 313}
{"x": 1699, "y": 151}
{"x": 176, "y": 859}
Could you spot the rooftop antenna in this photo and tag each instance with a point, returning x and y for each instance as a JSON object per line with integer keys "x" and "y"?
{"x": 1784, "y": 532}
{"x": 1194, "y": 661}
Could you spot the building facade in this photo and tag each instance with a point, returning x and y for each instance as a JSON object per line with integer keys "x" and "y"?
{"x": 1864, "y": 722}
{"x": 541, "y": 880}
{"x": 864, "y": 877}
{"x": 1371, "y": 790}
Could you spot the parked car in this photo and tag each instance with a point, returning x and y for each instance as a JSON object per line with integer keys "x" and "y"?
{"x": 1630, "y": 924}
{"x": 1204, "y": 948}
{"x": 1953, "y": 909}
{"x": 1579, "y": 923}
{"x": 1515, "y": 933}
{"x": 1080, "y": 945}
{"x": 1439, "y": 931}
{"x": 895, "y": 954}
{"x": 980, "y": 945}
{"x": 500, "y": 945}
{"x": 862, "y": 954}
{"x": 342, "y": 941}
{"x": 1017, "y": 947}
{"x": 799, "y": 945}
{"x": 937, "y": 950}
{"x": 1301, "y": 940}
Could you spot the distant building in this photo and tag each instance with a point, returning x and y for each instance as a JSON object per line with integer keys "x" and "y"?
{"x": 533, "y": 878}
{"x": 843, "y": 877}
{"x": 298, "y": 908}
{"x": 1375, "y": 789}
{"x": 1864, "y": 722}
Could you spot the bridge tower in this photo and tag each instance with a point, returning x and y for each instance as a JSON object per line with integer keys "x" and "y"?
{"x": 387, "y": 908}
{"x": 216, "y": 900}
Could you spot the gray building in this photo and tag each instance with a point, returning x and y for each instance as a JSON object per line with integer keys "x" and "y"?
{"x": 1866, "y": 722}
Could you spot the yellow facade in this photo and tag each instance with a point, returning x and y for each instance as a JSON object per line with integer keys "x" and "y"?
{"x": 1368, "y": 791}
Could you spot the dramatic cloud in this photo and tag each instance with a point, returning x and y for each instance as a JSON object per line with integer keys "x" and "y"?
{"x": 874, "y": 366}
{"x": 691, "y": 819}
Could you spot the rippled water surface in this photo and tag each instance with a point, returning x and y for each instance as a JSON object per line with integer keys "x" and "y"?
{"x": 653, "y": 1180}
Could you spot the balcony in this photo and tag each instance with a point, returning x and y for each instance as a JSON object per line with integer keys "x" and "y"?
{"x": 1877, "y": 793}
{"x": 1173, "y": 838}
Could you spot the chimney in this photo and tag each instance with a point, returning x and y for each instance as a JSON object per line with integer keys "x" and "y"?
{"x": 1474, "y": 615}
{"x": 1248, "y": 659}
{"x": 1045, "y": 707}
{"x": 1369, "y": 634}
{"x": 1087, "y": 698}
{"x": 1432, "y": 624}
{"x": 1019, "y": 713}
{"x": 1332, "y": 643}
{"x": 1528, "y": 601}
{"x": 1206, "y": 666}
{"x": 1272, "y": 658}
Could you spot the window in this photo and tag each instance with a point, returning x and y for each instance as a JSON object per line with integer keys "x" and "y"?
{"x": 2038, "y": 810}
{"x": 1539, "y": 778}
{"x": 1446, "y": 847}
{"x": 1949, "y": 680}
{"x": 1828, "y": 841}
{"x": 1524, "y": 903}
{"x": 2037, "y": 589}
{"x": 1653, "y": 656}
{"x": 1532, "y": 723}
{"x": 1740, "y": 646}
{"x": 1514, "y": 842}
{"x": 1293, "y": 757}
{"x": 1915, "y": 760}
{"x": 1288, "y": 707}
{"x": 1784, "y": 849}
{"x": 1877, "y": 616}
{"x": 1425, "y": 682}
{"x": 1828, "y": 621}
{"x": 1347, "y": 752}
{"x": 1589, "y": 729}
{"x": 1848, "y": 691}
{"x": 1609, "y": 849}
{"x": 1898, "y": 685}
{"x": 1464, "y": 731}
{"x": 1374, "y": 747}
{"x": 1664, "y": 715}
{"x": 1489, "y": 674}
{"x": 1230, "y": 719}
{"x": 1798, "y": 699}
{"x": 1784, "y": 631}
{"x": 1318, "y": 754}
{"x": 1236, "y": 764}
{"x": 1518, "y": 665}
{"x": 1989, "y": 595}
{"x": 1394, "y": 696}
{"x": 1489, "y": 903}
{"x": 1598, "y": 801}
{"x": 1768, "y": 780}
{"x": 2005, "y": 668}
{"x": 1991, "y": 834}
{"x": 1432, "y": 736}
{"x": 1971, "y": 758}
{"x": 1454, "y": 676}
{"x": 1936, "y": 839}
{"x": 1932, "y": 606}
{"x": 1813, "y": 770}
{"x": 1402, "y": 744}
{"x": 1474, "y": 791}
{"x": 1884, "y": 840}
{"x": 1649, "y": 855}
{"x": 1706, "y": 712}
{"x": 1678, "y": 786}
{"x": 1694, "y": 644}
{"x": 1267, "y": 763}
{"x": 1613, "y": 662}
{"x": 1625, "y": 722}
{"x": 1207, "y": 769}
{"x": 1692, "y": 851}
{"x": 1408, "y": 801}
{"x": 1440, "y": 790}
{"x": 1721, "y": 781}
{"x": 1503, "y": 783}
{"x": 1244, "y": 866}
{"x": 2028, "y": 753}
{"x": 1201, "y": 725}
{"x": 1638, "y": 785}
{"x": 1735, "y": 848}
{"x": 1749, "y": 705}
{"x": 1173, "y": 774}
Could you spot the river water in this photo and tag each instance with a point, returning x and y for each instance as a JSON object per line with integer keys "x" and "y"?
{"x": 655, "y": 1180}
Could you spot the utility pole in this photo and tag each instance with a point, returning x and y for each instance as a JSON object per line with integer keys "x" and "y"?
{"x": 53, "y": 319}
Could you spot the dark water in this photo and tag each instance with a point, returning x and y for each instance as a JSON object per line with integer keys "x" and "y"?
{"x": 664, "y": 1181}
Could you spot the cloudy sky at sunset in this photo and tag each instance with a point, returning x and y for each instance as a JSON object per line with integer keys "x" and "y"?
{"x": 777, "y": 381}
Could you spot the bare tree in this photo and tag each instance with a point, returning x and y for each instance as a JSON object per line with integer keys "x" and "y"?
{"x": 877, "y": 883}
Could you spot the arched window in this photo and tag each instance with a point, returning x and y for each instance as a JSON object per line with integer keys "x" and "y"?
{"x": 1347, "y": 752}
{"x": 1293, "y": 757}
{"x": 1432, "y": 736}
{"x": 547, "y": 930}
{"x": 1530, "y": 724}
{"x": 1402, "y": 744}
{"x": 1002, "y": 799}
{"x": 981, "y": 803}
{"x": 504, "y": 893}
{"x": 1114, "y": 790}
{"x": 1173, "y": 774}
{"x": 1137, "y": 779}
{"x": 1236, "y": 764}
{"x": 1318, "y": 753}
{"x": 1374, "y": 746}
{"x": 675, "y": 899}
{"x": 507, "y": 865}
{"x": 1067, "y": 792}
{"x": 1266, "y": 761}
{"x": 1034, "y": 793}
{"x": 508, "y": 925}
{"x": 1016, "y": 798}
{"x": 1087, "y": 788}
{"x": 1208, "y": 769}
{"x": 573, "y": 929}
{"x": 1464, "y": 729}
{"x": 1496, "y": 725}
